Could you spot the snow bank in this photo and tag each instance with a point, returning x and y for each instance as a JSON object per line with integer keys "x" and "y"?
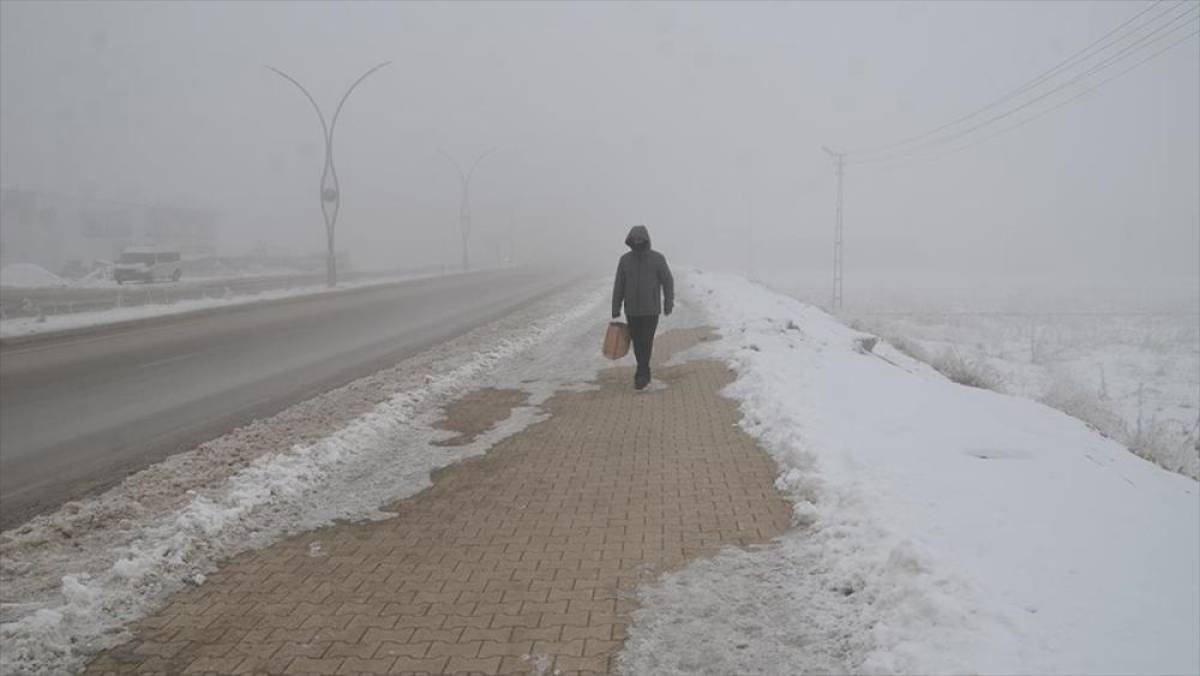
{"x": 378, "y": 458}
{"x": 939, "y": 528}
{"x": 28, "y": 276}
{"x": 24, "y": 326}
{"x": 1135, "y": 377}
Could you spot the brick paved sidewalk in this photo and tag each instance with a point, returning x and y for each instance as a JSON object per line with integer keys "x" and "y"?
{"x": 522, "y": 561}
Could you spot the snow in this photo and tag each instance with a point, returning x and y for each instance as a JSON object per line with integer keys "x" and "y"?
{"x": 1135, "y": 377}
{"x": 28, "y": 275}
{"x": 122, "y": 557}
{"x": 25, "y": 326}
{"x": 939, "y": 528}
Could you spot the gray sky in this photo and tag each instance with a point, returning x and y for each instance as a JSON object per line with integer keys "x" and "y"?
{"x": 686, "y": 117}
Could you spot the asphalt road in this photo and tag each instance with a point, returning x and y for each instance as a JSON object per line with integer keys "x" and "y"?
{"x": 78, "y": 415}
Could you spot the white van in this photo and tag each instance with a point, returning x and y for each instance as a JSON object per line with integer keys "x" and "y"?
{"x": 145, "y": 264}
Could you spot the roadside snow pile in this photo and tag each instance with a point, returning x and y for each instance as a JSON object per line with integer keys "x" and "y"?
{"x": 28, "y": 276}
{"x": 939, "y": 528}
{"x": 376, "y": 459}
{"x": 26, "y": 326}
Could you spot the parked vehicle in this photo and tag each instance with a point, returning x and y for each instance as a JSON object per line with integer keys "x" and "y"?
{"x": 147, "y": 265}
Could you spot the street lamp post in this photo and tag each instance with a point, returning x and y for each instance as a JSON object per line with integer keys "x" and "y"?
{"x": 464, "y": 209}
{"x": 331, "y": 196}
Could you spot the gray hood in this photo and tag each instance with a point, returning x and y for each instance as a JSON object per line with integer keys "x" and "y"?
{"x": 637, "y": 234}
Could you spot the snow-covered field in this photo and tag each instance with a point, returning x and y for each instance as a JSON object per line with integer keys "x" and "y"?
{"x": 74, "y": 578}
{"x": 1135, "y": 377}
{"x": 939, "y": 528}
{"x": 24, "y": 326}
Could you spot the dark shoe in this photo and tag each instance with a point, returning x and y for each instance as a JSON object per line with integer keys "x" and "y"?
{"x": 640, "y": 383}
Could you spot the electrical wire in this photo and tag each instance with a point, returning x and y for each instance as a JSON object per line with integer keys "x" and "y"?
{"x": 1120, "y": 55}
{"x": 1065, "y": 63}
{"x": 1090, "y": 90}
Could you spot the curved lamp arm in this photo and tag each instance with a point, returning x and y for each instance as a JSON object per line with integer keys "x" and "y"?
{"x": 338, "y": 111}
{"x": 289, "y": 78}
{"x": 479, "y": 159}
{"x": 450, "y": 158}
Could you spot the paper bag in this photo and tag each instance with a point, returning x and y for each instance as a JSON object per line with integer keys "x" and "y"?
{"x": 616, "y": 340}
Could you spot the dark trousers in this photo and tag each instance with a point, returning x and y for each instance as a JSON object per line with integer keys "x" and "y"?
{"x": 641, "y": 333}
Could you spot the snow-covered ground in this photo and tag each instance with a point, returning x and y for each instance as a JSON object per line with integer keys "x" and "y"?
{"x": 33, "y": 276}
{"x": 74, "y": 578}
{"x": 1135, "y": 377}
{"x": 29, "y": 276}
{"x": 939, "y": 528}
{"x": 24, "y": 326}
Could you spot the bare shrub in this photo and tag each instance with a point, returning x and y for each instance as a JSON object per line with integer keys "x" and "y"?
{"x": 908, "y": 347}
{"x": 1069, "y": 396}
{"x": 1168, "y": 446}
{"x": 969, "y": 371}
{"x": 1165, "y": 444}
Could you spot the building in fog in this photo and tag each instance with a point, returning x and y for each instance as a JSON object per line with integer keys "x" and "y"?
{"x": 56, "y": 231}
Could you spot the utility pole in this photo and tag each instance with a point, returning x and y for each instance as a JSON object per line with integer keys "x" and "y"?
{"x": 464, "y": 208}
{"x": 331, "y": 193}
{"x": 512, "y": 242}
{"x": 840, "y": 164}
{"x": 750, "y": 237}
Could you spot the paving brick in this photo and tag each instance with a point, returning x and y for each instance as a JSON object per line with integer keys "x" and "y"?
{"x": 159, "y": 649}
{"x": 212, "y": 664}
{"x": 443, "y": 635}
{"x": 361, "y": 650}
{"x": 520, "y": 665}
{"x": 512, "y": 562}
{"x": 375, "y": 635}
{"x": 409, "y": 665}
{"x": 574, "y": 647}
{"x": 499, "y": 634}
{"x": 478, "y": 665}
{"x": 527, "y": 620}
{"x": 308, "y": 665}
{"x": 601, "y": 632}
{"x": 369, "y": 621}
{"x": 537, "y": 633}
{"x": 566, "y": 619}
{"x": 596, "y": 647}
{"x": 474, "y": 621}
{"x": 505, "y": 649}
{"x": 355, "y": 665}
{"x": 413, "y": 650}
{"x": 566, "y": 664}
{"x": 454, "y": 649}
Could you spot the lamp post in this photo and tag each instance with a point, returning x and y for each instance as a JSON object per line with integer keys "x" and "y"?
{"x": 464, "y": 209}
{"x": 331, "y": 196}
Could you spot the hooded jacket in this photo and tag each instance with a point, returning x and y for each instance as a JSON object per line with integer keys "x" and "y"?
{"x": 643, "y": 283}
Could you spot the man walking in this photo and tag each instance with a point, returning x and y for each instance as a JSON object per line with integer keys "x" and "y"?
{"x": 642, "y": 275}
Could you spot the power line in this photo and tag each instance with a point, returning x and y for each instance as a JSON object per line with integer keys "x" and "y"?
{"x": 903, "y": 162}
{"x": 1153, "y": 37}
{"x": 1073, "y": 60}
{"x": 1023, "y": 88}
{"x": 1123, "y": 53}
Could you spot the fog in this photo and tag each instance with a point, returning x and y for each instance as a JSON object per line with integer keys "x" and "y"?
{"x": 703, "y": 121}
